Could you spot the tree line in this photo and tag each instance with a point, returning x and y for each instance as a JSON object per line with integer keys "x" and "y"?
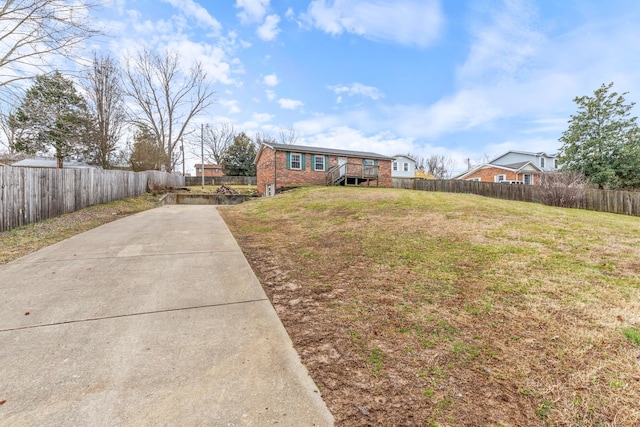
{"x": 150, "y": 96}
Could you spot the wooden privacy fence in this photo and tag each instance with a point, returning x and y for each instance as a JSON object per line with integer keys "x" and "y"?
{"x": 33, "y": 194}
{"x": 618, "y": 202}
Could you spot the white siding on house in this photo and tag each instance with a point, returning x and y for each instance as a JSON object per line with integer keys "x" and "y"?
{"x": 512, "y": 157}
{"x": 403, "y": 167}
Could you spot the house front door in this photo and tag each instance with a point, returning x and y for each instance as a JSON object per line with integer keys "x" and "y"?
{"x": 342, "y": 163}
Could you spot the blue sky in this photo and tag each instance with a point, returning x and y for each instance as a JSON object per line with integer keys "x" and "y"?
{"x": 463, "y": 79}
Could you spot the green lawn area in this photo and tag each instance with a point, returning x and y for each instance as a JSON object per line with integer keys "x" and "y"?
{"x": 451, "y": 309}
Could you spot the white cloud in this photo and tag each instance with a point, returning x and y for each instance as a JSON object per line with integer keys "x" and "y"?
{"x": 290, "y": 104}
{"x": 194, "y": 11}
{"x": 262, "y": 117}
{"x": 358, "y": 89}
{"x": 406, "y": 22}
{"x": 232, "y": 105}
{"x": 289, "y": 14}
{"x": 270, "y": 80}
{"x": 213, "y": 59}
{"x": 269, "y": 29}
{"x": 505, "y": 43}
{"x": 271, "y": 95}
{"x": 253, "y": 11}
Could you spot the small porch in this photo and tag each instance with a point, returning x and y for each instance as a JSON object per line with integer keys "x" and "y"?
{"x": 353, "y": 174}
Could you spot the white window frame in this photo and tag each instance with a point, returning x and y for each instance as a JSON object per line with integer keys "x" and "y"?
{"x": 299, "y": 161}
{"x": 555, "y": 163}
{"x": 475, "y": 179}
{"x": 405, "y": 167}
{"x": 315, "y": 163}
{"x": 542, "y": 162}
{"x": 524, "y": 179}
{"x": 500, "y": 178}
{"x": 395, "y": 166}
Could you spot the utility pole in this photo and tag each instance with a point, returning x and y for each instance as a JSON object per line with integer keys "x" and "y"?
{"x": 202, "y": 152}
{"x": 182, "y": 149}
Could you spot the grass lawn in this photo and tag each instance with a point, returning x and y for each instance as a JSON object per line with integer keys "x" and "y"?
{"x": 417, "y": 308}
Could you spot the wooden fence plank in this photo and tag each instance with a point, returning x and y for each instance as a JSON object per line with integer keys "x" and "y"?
{"x": 618, "y": 202}
{"x": 34, "y": 194}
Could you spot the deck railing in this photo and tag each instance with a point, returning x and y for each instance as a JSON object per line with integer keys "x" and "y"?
{"x": 338, "y": 173}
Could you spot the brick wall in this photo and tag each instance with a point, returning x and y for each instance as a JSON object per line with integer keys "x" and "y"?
{"x": 488, "y": 175}
{"x": 272, "y": 169}
{"x": 264, "y": 169}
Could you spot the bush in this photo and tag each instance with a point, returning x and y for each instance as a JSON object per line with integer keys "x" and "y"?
{"x": 564, "y": 189}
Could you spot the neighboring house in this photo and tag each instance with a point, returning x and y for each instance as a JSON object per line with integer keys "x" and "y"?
{"x": 209, "y": 170}
{"x": 286, "y": 165}
{"x": 516, "y": 173}
{"x": 51, "y": 163}
{"x": 403, "y": 166}
{"x": 546, "y": 162}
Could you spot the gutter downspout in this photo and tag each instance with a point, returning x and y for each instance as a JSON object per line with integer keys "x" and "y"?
{"x": 275, "y": 169}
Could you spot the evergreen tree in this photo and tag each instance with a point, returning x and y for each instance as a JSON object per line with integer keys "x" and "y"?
{"x": 146, "y": 153}
{"x": 52, "y": 119}
{"x": 238, "y": 158}
{"x": 603, "y": 141}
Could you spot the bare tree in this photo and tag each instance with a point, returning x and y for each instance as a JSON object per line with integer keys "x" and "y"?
{"x": 33, "y": 31}
{"x": 167, "y": 98}
{"x": 105, "y": 96}
{"x": 439, "y": 166}
{"x": 216, "y": 142}
{"x": 288, "y": 136}
{"x": 261, "y": 138}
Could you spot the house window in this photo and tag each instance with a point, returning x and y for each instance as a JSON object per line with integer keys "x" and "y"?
{"x": 395, "y": 166}
{"x": 199, "y": 169}
{"x": 499, "y": 178}
{"x": 368, "y": 168}
{"x": 527, "y": 179}
{"x": 295, "y": 161}
{"x": 542, "y": 162}
{"x": 474, "y": 179}
{"x": 555, "y": 163}
{"x": 319, "y": 163}
{"x": 405, "y": 167}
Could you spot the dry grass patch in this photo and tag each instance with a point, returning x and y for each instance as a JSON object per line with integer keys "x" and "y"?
{"x": 415, "y": 308}
{"x": 22, "y": 241}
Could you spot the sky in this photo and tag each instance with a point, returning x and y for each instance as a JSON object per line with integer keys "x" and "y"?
{"x": 468, "y": 80}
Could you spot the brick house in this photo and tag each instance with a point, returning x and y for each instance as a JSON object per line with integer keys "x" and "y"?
{"x": 209, "y": 170}
{"x": 516, "y": 173}
{"x": 286, "y": 165}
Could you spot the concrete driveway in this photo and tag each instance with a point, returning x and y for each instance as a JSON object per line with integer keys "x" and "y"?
{"x": 154, "y": 319}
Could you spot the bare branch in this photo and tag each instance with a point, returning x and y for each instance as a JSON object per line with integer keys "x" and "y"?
{"x": 105, "y": 96}
{"x": 167, "y": 98}
{"x": 288, "y": 136}
{"x": 34, "y": 30}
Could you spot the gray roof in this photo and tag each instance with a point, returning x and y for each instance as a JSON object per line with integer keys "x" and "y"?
{"x": 515, "y": 165}
{"x": 47, "y": 163}
{"x": 320, "y": 150}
